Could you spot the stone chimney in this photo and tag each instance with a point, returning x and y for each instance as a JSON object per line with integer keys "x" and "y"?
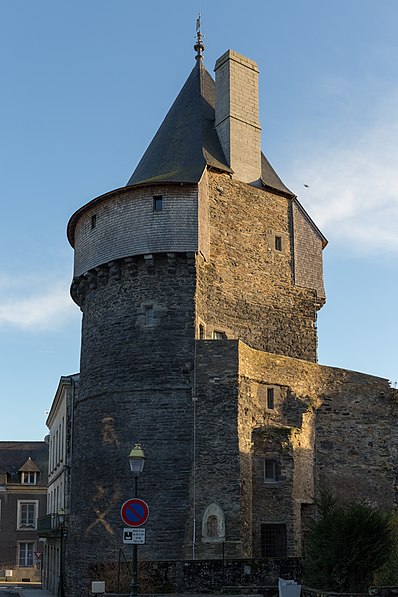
{"x": 237, "y": 121}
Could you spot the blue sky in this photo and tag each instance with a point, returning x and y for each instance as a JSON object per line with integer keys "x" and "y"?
{"x": 86, "y": 84}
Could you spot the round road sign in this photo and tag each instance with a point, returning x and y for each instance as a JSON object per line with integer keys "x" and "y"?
{"x": 134, "y": 512}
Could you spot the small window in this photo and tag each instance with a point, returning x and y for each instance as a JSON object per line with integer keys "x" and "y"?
{"x": 29, "y": 478}
{"x": 202, "y": 332}
{"x": 278, "y": 243}
{"x": 270, "y": 399}
{"x": 93, "y": 221}
{"x": 149, "y": 319}
{"x": 158, "y": 203}
{"x": 270, "y": 471}
{"x": 217, "y": 335}
{"x": 25, "y": 555}
{"x": 273, "y": 541}
{"x": 27, "y": 515}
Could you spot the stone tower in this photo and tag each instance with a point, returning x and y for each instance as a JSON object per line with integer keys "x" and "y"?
{"x": 204, "y": 251}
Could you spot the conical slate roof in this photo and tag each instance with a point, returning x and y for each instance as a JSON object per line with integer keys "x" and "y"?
{"x": 186, "y": 141}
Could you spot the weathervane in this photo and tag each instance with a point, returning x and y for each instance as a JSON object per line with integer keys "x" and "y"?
{"x": 198, "y": 47}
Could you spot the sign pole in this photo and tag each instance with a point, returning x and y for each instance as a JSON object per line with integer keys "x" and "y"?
{"x": 134, "y": 576}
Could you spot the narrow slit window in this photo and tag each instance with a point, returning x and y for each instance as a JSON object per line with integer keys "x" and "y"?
{"x": 270, "y": 399}
{"x": 278, "y": 243}
{"x": 93, "y": 221}
{"x": 158, "y": 203}
{"x": 149, "y": 319}
{"x": 269, "y": 471}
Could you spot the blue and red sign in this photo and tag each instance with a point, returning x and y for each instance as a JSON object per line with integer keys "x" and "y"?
{"x": 134, "y": 512}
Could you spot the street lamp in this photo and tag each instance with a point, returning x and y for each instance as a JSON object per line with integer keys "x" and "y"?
{"x": 136, "y": 460}
{"x": 61, "y": 525}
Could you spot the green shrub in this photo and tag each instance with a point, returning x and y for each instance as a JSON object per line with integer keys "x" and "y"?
{"x": 387, "y": 575}
{"x": 345, "y": 545}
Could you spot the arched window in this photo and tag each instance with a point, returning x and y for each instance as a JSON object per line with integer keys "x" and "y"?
{"x": 213, "y": 524}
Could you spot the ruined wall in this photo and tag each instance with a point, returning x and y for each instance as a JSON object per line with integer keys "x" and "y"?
{"x": 336, "y": 430}
{"x": 246, "y": 288}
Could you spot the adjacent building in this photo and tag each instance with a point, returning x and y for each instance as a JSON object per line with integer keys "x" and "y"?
{"x": 23, "y": 499}
{"x": 52, "y": 526}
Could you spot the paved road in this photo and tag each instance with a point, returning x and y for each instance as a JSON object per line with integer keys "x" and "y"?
{"x": 23, "y": 591}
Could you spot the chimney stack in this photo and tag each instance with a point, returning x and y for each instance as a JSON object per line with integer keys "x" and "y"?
{"x": 237, "y": 120}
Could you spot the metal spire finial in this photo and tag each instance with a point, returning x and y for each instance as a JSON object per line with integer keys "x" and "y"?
{"x": 198, "y": 47}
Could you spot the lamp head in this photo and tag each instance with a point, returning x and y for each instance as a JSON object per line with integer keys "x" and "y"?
{"x": 137, "y": 459}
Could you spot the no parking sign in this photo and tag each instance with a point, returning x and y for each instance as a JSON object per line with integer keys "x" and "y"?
{"x": 134, "y": 512}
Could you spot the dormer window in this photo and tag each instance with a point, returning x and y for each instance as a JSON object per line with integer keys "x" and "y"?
{"x": 29, "y": 473}
{"x": 29, "y": 478}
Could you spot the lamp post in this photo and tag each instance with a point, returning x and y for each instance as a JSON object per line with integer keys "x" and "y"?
{"x": 61, "y": 526}
{"x": 136, "y": 460}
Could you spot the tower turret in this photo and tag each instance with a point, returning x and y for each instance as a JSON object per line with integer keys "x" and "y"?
{"x": 186, "y": 252}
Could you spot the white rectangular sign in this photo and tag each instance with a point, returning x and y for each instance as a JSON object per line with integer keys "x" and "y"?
{"x": 134, "y": 536}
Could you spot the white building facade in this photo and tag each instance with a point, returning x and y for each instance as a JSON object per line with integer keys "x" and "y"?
{"x": 53, "y": 525}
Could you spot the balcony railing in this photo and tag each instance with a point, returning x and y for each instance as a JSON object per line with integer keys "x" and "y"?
{"x": 48, "y": 525}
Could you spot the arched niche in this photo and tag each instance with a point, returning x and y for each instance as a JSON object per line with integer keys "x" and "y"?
{"x": 213, "y": 524}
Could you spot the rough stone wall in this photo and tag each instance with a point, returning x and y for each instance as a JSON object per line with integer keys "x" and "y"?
{"x": 308, "y": 265}
{"x": 284, "y": 435}
{"x": 356, "y": 438}
{"x": 217, "y": 470}
{"x": 203, "y": 217}
{"x": 272, "y": 502}
{"x": 340, "y": 434}
{"x": 135, "y": 385}
{"x": 246, "y": 289}
{"x": 126, "y": 225}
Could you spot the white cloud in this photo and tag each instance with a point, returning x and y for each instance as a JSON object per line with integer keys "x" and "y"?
{"x": 47, "y": 309}
{"x": 353, "y": 188}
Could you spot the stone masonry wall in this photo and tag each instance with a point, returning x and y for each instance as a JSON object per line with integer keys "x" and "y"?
{"x": 217, "y": 471}
{"x": 127, "y": 225}
{"x": 246, "y": 288}
{"x": 340, "y": 434}
{"x": 281, "y": 434}
{"x": 135, "y": 385}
